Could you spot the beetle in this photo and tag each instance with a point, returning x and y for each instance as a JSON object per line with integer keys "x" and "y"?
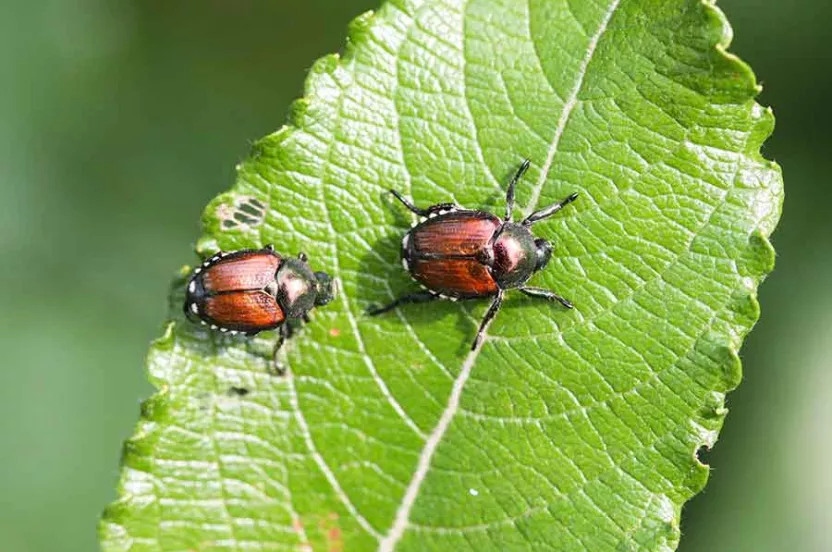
{"x": 458, "y": 253}
{"x": 253, "y": 290}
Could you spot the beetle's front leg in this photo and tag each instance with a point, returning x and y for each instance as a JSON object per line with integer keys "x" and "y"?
{"x": 284, "y": 333}
{"x": 546, "y": 294}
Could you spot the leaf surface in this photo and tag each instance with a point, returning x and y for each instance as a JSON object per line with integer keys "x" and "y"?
{"x": 567, "y": 430}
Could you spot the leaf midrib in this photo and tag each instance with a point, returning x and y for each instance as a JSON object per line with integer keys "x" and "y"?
{"x": 401, "y": 520}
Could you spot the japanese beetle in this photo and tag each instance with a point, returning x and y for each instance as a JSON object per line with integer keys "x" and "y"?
{"x": 459, "y": 253}
{"x": 254, "y": 290}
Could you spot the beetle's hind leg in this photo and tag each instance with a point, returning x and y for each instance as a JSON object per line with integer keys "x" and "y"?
{"x": 546, "y": 294}
{"x": 492, "y": 312}
{"x": 424, "y": 212}
{"x": 418, "y": 297}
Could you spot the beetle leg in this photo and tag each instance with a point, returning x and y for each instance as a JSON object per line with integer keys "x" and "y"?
{"x": 418, "y": 297}
{"x": 548, "y": 211}
{"x": 283, "y": 334}
{"x": 546, "y": 294}
{"x": 410, "y": 206}
{"x": 492, "y": 312}
{"x": 510, "y": 192}
{"x": 432, "y": 210}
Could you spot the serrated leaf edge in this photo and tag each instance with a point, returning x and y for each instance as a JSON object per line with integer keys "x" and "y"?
{"x": 112, "y": 534}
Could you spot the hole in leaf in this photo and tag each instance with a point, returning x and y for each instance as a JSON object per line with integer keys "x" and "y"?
{"x": 243, "y": 212}
{"x": 703, "y": 454}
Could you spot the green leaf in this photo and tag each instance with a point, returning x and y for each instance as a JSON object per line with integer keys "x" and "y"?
{"x": 567, "y": 430}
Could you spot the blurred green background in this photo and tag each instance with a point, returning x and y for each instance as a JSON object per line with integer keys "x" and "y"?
{"x": 120, "y": 120}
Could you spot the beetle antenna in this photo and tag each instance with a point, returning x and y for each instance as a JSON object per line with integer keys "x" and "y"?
{"x": 524, "y": 166}
{"x": 548, "y": 211}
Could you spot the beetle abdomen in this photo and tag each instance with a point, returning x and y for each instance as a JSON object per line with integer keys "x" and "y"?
{"x": 245, "y": 270}
{"x": 244, "y": 311}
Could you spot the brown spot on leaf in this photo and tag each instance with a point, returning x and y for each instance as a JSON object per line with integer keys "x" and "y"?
{"x": 332, "y": 532}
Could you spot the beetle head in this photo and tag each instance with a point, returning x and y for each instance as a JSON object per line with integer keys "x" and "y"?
{"x": 544, "y": 253}
{"x": 325, "y": 288}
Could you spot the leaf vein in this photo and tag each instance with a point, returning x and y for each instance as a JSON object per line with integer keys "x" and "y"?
{"x": 569, "y": 106}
